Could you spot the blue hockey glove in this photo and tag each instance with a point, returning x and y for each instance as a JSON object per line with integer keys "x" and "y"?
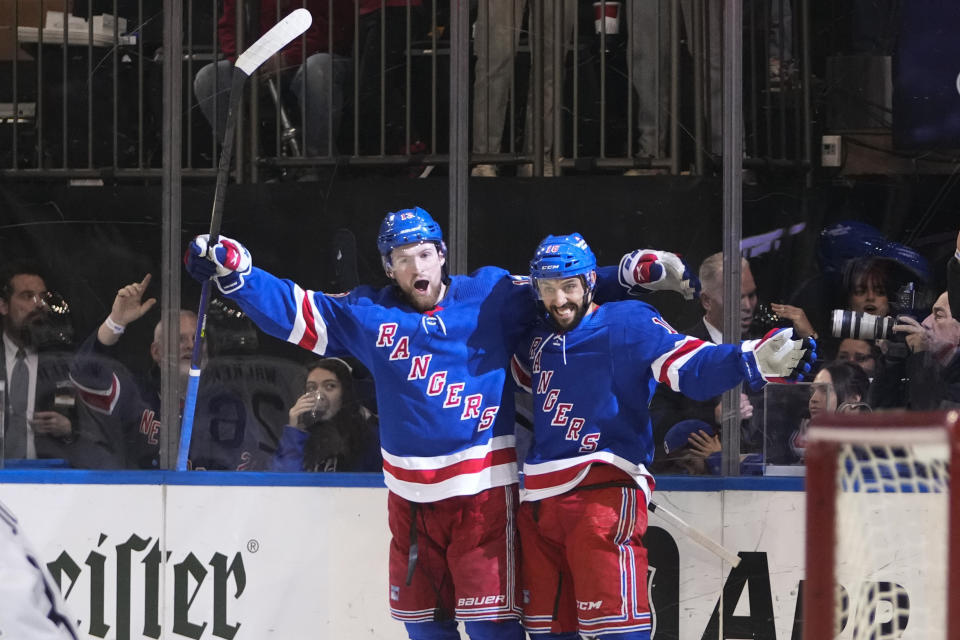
{"x": 777, "y": 357}
{"x": 227, "y": 262}
{"x": 652, "y": 270}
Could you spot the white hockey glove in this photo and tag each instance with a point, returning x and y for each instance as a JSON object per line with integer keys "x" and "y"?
{"x": 652, "y": 270}
{"x": 227, "y": 262}
{"x": 777, "y": 357}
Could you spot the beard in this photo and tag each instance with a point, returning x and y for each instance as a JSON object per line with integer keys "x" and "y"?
{"x": 423, "y": 295}
{"x": 39, "y": 330}
{"x": 570, "y": 320}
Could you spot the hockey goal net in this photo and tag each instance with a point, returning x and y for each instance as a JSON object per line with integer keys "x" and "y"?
{"x": 883, "y": 527}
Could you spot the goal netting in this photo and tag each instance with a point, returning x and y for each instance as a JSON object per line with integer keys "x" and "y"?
{"x": 883, "y": 527}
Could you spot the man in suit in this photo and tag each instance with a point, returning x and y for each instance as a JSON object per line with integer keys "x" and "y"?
{"x": 32, "y": 428}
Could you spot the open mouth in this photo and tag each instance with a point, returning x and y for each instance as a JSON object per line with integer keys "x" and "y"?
{"x": 566, "y": 311}
{"x": 421, "y": 285}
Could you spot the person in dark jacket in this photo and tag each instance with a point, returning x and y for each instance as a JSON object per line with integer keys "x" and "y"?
{"x": 329, "y": 429}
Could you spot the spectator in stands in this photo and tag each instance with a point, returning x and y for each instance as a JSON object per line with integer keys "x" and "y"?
{"x": 329, "y": 429}
{"x": 33, "y": 374}
{"x": 863, "y": 353}
{"x": 886, "y": 375}
{"x": 314, "y": 70}
{"x": 649, "y": 47}
{"x": 382, "y": 45}
{"x": 868, "y": 284}
{"x": 495, "y": 45}
{"x": 933, "y": 366}
{"x": 686, "y": 447}
{"x": 233, "y": 399}
{"x": 127, "y": 407}
{"x": 839, "y": 387}
{"x": 692, "y": 447}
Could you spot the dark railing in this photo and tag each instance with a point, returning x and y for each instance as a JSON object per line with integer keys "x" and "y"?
{"x": 92, "y": 108}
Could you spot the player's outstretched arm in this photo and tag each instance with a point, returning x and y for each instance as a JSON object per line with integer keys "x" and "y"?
{"x": 701, "y": 370}
{"x": 777, "y": 357}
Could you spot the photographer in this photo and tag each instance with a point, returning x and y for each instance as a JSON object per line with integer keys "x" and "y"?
{"x": 329, "y": 429}
{"x": 933, "y": 366}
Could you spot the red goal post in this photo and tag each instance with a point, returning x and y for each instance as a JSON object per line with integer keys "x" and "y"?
{"x": 869, "y": 478}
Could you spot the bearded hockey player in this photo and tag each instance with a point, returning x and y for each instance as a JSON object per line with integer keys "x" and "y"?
{"x": 592, "y": 370}
{"x": 438, "y": 348}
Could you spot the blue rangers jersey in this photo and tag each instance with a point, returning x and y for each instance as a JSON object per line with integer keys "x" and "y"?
{"x": 446, "y": 425}
{"x": 591, "y": 388}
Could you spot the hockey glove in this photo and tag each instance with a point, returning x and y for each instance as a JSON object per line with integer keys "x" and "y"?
{"x": 652, "y": 270}
{"x": 227, "y": 262}
{"x": 777, "y": 357}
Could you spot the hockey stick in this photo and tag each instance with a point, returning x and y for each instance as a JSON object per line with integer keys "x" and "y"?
{"x": 268, "y": 45}
{"x": 695, "y": 534}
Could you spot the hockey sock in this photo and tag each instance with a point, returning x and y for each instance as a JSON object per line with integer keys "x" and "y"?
{"x": 446, "y": 630}
{"x": 490, "y": 630}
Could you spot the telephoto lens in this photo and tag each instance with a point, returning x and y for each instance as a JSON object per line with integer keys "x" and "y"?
{"x": 863, "y": 326}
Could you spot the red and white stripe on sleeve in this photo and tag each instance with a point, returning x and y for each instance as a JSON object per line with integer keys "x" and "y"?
{"x": 309, "y": 329}
{"x": 666, "y": 368}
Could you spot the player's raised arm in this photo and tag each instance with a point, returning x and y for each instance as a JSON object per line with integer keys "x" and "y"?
{"x": 648, "y": 270}
{"x": 309, "y": 319}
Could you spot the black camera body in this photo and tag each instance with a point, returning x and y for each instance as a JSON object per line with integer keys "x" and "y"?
{"x": 906, "y": 300}
{"x": 765, "y": 319}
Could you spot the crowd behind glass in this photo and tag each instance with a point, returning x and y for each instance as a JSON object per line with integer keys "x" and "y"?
{"x": 878, "y": 308}
{"x": 887, "y": 340}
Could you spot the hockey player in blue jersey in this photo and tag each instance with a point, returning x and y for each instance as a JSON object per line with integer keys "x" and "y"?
{"x": 438, "y": 348}
{"x": 592, "y": 370}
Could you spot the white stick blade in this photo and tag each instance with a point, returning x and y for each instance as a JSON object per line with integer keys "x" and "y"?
{"x": 274, "y": 40}
{"x": 697, "y": 536}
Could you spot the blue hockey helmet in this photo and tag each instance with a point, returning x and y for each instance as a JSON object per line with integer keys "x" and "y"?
{"x": 407, "y": 226}
{"x": 563, "y": 257}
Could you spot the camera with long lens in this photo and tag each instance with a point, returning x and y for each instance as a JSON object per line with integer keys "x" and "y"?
{"x": 866, "y": 326}
{"x": 861, "y": 325}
